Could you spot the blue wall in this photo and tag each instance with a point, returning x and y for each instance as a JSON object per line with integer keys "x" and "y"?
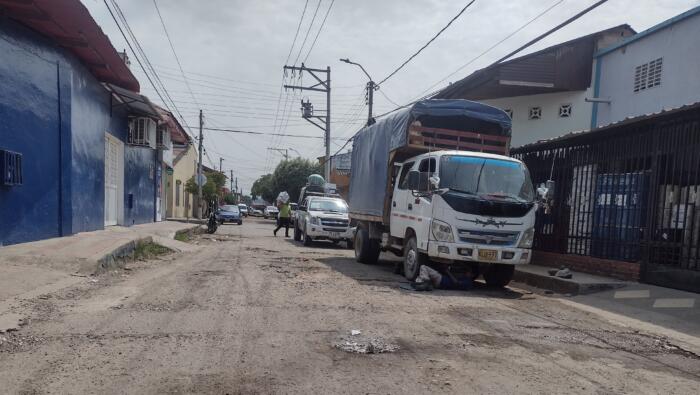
{"x": 55, "y": 113}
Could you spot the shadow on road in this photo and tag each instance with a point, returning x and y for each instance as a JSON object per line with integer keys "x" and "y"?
{"x": 382, "y": 274}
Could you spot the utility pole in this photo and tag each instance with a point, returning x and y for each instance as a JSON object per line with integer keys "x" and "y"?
{"x": 231, "y": 179}
{"x": 283, "y": 151}
{"x": 221, "y": 162}
{"x": 370, "y": 100}
{"x": 322, "y": 121}
{"x": 371, "y": 87}
{"x": 199, "y": 167}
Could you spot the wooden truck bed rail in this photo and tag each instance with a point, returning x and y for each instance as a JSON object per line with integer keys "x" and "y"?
{"x": 435, "y": 138}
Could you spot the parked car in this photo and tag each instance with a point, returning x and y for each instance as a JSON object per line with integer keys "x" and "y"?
{"x": 229, "y": 213}
{"x": 255, "y": 212}
{"x": 270, "y": 212}
{"x": 244, "y": 209}
{"x": 323, "y": 218}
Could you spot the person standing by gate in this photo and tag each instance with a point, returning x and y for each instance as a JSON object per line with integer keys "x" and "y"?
{"x": 283, "y": 217}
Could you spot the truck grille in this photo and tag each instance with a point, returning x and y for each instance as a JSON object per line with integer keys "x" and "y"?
{"x": 332, "y": 222}
{"x": 490, "y": 237}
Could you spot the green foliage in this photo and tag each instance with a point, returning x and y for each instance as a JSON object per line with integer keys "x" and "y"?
{"x": 263, "y": 187}
{"x": 229, "y": 199}
{"x": 210, "y": 190}
{"x": 150, "y": 250}
{"x": 289, "y": 176}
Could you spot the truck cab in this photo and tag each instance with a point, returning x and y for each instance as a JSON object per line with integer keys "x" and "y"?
{"x": 462, "y": 207}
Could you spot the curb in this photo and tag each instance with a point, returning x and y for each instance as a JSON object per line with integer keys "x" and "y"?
{"x": 111, "y": 260}
{"x": 562, "y": 285}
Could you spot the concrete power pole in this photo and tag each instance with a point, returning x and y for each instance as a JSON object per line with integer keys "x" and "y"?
{"x": 322, "y": 121}
{"x": 199, "y": 167}
{"x": 370, "y": 100}
{"x": 221, "y": 165}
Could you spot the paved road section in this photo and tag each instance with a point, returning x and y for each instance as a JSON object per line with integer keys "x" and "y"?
{"x": 245, "y": 312}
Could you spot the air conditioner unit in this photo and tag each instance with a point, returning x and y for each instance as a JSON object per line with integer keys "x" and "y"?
{"x": 142, "y": 132}
{"x": 163, "y": 140}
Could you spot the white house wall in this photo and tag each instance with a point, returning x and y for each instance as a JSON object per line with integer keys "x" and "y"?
{"x": 550, "y": 124}
{"x": 679, "y": 46}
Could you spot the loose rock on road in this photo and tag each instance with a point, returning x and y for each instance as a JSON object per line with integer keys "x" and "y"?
{"x": 252, "y": 313}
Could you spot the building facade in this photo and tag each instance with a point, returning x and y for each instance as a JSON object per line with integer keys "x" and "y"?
{"x": 64, "y": 137}
{"x": 180, "y": 202}
{"x": 544, "y": 92}
{"x": 649, "y": 72}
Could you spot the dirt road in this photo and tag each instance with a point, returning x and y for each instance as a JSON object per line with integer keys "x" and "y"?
{"x": 250, "y": 313}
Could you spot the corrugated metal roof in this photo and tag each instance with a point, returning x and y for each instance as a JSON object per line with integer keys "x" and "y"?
{"x": 555, "y": 141}
{"x": 69, "y": 24}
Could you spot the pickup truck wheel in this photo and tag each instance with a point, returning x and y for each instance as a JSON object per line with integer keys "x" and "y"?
{"x": 498, "y": 275}
{"x": 413, "y": 259}
{"x": 366, "y": 249}
{"x": 307, "y": 239}
{"x": 297, "y": 234}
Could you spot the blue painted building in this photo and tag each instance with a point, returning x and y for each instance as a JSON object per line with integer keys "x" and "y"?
{"x": 77, "y": 143}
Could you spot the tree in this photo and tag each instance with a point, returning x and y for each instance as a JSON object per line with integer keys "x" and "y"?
{"x": 291, "y": 175}
{"x": 262, "y": 187}
{"x": 210, "y": 190}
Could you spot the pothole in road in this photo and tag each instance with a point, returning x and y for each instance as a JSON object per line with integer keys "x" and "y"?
{"x": 365, "y": 345}
{"x": 14, "y": 342}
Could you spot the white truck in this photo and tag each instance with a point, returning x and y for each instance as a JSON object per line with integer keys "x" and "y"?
{"x": 433, "y": 184}
{"x": 323, "y": 218}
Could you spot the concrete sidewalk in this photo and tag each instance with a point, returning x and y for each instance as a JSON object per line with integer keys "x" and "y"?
{"x": 659, "y": 309}
{"x": 47, "y": 265}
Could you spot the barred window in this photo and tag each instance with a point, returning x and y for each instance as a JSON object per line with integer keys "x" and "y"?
{"x": 648, "y": 75}
{"x": 535, "y": 113}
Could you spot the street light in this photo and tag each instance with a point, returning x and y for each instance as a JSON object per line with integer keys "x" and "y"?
{"x": 371, "y": 87}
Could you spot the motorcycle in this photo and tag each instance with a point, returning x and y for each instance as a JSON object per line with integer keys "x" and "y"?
{"x": 212, "y": 223}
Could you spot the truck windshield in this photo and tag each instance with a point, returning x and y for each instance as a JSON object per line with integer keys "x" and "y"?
{"x": 333, "y": 206}
{"x": 486, "y": 177}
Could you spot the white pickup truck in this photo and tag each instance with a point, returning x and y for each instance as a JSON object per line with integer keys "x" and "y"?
{"x": 471, "y": 209}
{"x": 323, "y": 218}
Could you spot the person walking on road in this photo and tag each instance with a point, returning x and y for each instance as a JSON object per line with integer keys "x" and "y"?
{"x": 283, "y": 218}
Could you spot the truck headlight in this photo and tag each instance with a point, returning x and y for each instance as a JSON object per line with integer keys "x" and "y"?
{"x": 315, "y": 221}
{"x": 442, "y": 231}
{"x": 527, "y": 239}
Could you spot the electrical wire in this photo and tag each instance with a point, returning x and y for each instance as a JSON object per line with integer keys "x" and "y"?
{"x": 172, "y": 47}
{"x": 428, "y": 43}
{"x": 306, "y": 36}
{"x": 328, "y": 11}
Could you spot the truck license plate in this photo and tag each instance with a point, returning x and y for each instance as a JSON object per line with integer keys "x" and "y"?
{"x": 488, "y": 255}
{"x": 334, "y": 235}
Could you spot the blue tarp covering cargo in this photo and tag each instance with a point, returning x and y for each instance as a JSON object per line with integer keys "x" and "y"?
{"x": 450, "y": 124}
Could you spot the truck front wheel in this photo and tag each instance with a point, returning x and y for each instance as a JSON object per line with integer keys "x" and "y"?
{"x": 413, "y": 259}
{"x": 498, "y": 275}
{"x": 366, "y": 249}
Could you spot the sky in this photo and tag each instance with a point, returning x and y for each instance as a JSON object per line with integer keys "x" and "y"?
{"x": 232, "y": 53}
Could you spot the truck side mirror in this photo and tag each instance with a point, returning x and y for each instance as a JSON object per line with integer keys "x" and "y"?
{"x": 546, "y": 190}
{"x": 418, "y": 181}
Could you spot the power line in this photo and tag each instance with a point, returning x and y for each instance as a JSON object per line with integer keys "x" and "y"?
{"x": 523, "y": 47}
{"x": 328, "y": 11}
{"x": 172, "y": 47}
{"x": 306, "y": 136}
{"x": 516, "y": 31}
{"x": 284, "y": 77}
{"x": 301, "y": 48}
{"x": 428, "y": 43}
{"x": 142, "y": 53}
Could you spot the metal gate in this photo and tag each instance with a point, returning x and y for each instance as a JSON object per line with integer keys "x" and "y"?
{"x": 114, "y": 188}
{"x": 627, "y": 192}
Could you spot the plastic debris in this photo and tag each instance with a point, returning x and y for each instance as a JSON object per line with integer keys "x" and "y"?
{"x": 355, "y": 332}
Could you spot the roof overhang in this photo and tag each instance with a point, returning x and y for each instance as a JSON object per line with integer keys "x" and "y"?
{"x": 135, "y": 103}
{"x": 69, "y": 24}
